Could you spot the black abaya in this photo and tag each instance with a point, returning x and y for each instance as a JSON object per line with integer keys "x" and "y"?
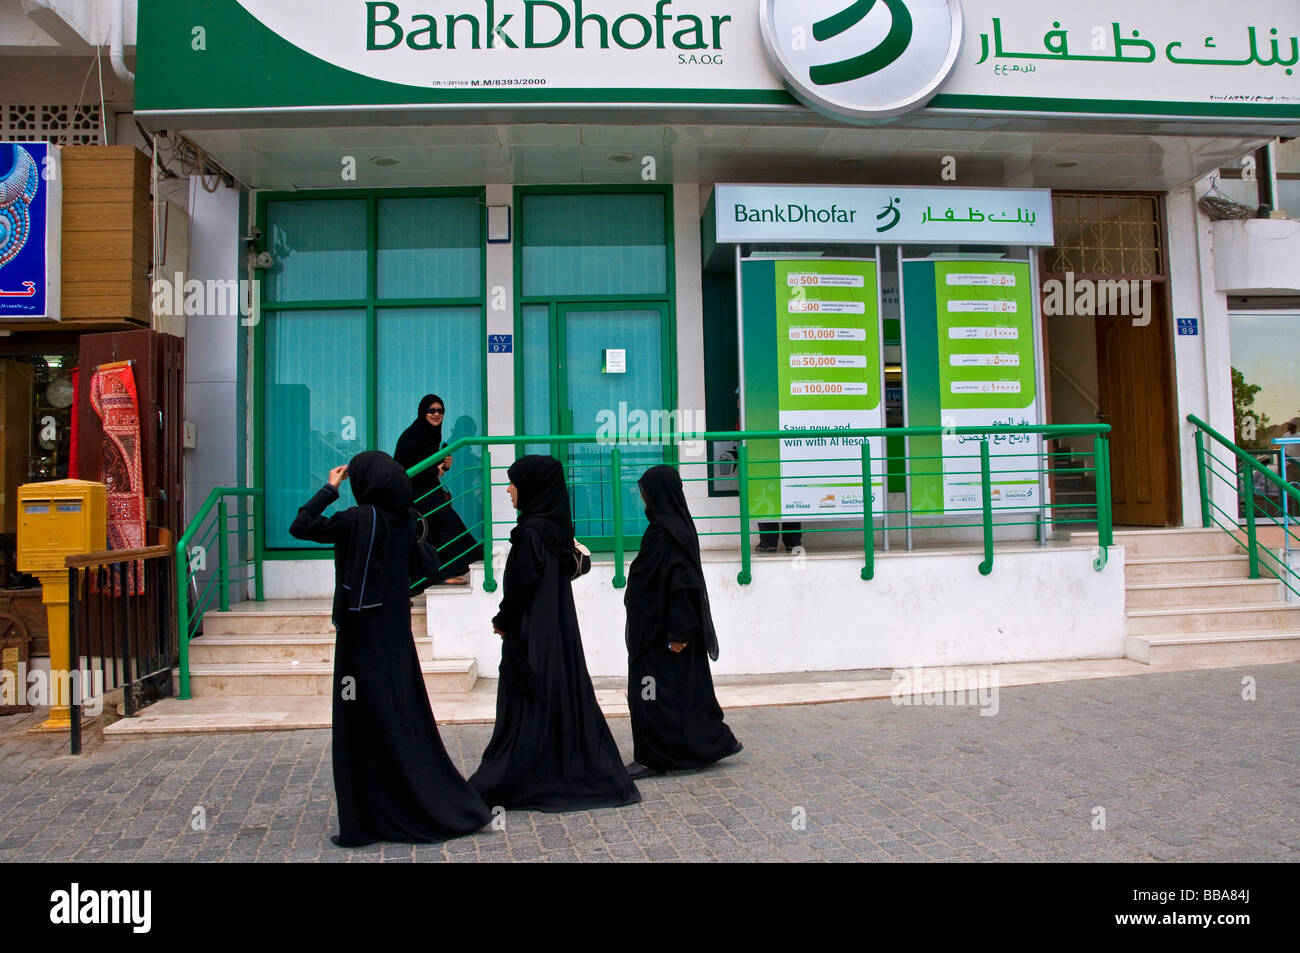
{"x": 551, "y": 749}
{"x": 444, "y": 529}
{"x": 392, "y": 777}
{"x": 677, "y": 723}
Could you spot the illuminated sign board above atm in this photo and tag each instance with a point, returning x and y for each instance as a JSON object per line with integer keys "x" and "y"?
{"x": 892, "y": 215}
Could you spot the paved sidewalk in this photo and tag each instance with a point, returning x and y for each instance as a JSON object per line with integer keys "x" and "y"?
{"x": 1184, "y": 768}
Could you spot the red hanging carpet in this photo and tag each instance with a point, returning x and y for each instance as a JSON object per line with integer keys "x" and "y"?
{"x": 113, "y": 395}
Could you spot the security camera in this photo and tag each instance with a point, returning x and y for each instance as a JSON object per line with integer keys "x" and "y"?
{"x": 254, "y": 235}
{"x": 264, "y": 260}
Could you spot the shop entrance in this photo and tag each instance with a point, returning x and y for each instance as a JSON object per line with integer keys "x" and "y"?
{"x": 1107, "y": 336}
{"x": 611, "y": 380}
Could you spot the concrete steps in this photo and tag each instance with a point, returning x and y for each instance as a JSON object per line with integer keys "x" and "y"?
{"x": 1177, "y": 568}
{"x": 441, "y": 677}
{"x": 1230, "y": 648}
{"x": 286, "y": 648}
{"x": 1189, "y": 599}
{"x": 1155, "y": 543}
{"x": 1201, "y": 592}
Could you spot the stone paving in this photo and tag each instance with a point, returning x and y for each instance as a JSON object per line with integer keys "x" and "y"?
{"x": 1183, "y": 766}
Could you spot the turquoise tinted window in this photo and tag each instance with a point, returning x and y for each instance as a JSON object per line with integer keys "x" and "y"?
{"x": 319, "y": 250}
{"x": 535, "y": 357}
{"x": 315, "y": 417}
{"x": 429, "y": 248}
{"x": 586, "y": 244}
{"x": 435, "y": 351}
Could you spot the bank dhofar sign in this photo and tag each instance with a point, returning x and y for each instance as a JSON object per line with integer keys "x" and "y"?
{"x": 30, "y": 217}
{"x": 855, "y": 60}
{"x": 863, "y": 60}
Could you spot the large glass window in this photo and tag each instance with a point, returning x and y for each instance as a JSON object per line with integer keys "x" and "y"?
{"x": 429, "y": 248}
{"x": 347, "y": 374}
{"x": 594, "y": 244}
{"x": 435, "y": 351}
{"x": 1265, "y": 388}
{"x": 315, "y": 408}
{"x": 319, "y": 249}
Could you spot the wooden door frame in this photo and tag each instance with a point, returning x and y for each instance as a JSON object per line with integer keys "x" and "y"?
{"x": 1161, "y": 286}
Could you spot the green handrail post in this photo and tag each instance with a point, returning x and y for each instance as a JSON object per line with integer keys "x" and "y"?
{"x": 1248, "y": 489}
{"x": 222, "y": 556}
{"x": 868, "y": 530}
{"x": 183, "y": 618}
{"x": 744, "y": 577}
{"x": 1105, "y": 517}
{"x": 1202, "y": 479}
{"x": 986, "y": 486}
{"x": 489, "y": 579}
{"x": 616, "y": 460}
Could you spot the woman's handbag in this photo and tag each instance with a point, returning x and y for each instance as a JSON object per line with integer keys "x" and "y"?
{"x": 581, "y": 560}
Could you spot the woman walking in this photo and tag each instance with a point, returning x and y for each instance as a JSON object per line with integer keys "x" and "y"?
{"x": 551, "y": 749}
{"x": 441, "y": 526}
{"x": 677, "y": 723}
{"x": 392, "y": 777}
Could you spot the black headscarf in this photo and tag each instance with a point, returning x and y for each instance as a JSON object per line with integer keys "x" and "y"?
{"x": 667, "y": 565}
{"x": 417, "y": 443}
{"x": 384, "y": 496}
{"x": 543, "y": 502}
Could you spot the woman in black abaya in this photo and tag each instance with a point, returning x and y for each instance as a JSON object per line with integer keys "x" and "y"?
{"x": 551, "y": 749}
{"x": 443, "y": 528}
{"x": 392, "y": 777}
{"x": 676, "y": 720}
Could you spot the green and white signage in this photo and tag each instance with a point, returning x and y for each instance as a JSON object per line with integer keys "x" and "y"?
{"x": 971, "y": 361}
{"x": 811, "y": 337}
{"x": 855, "y": 60}
{"x": 895, "y": 215}
{"x": 835, "y": 58}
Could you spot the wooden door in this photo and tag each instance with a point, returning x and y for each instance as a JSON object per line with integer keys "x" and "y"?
{"x": 1135, "y": 389}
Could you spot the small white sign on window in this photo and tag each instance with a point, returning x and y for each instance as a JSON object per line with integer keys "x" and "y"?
{"x": 615, "y": 361}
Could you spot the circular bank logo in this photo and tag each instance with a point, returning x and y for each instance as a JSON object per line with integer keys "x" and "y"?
{"x": 863, "y": 59}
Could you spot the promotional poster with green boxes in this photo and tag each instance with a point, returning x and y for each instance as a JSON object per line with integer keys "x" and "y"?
{"x": 970, "y": 362}
{"x": 812, "y": 359}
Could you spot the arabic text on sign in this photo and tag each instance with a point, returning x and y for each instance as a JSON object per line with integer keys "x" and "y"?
{"x": 984, "y": 360}
{"x": 975, "y": 334}
{"x": 982, "y": 307}
{"x": 982, "y": 281}
{"x": 1133, "y": 49}
{"x": 986, "y": 387}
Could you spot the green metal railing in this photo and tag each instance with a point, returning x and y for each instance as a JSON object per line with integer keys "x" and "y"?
{"x": 225, "y": 529}
{"x": 1038, "y": 464}
{"x": 1247, "y": 477}
{"x": 232, "y": 533}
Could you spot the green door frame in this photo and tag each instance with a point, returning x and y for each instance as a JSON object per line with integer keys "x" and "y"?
{"x": 556, "y": 304}
{"x": 370, "y": 304}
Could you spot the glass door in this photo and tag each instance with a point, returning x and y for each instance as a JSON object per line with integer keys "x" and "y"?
{"x": 613, "y": 380}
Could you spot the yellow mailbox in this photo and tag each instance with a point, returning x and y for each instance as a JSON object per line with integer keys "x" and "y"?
{"x": 56, "y": 520}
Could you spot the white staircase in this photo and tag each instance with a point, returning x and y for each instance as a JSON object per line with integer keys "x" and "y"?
{"x": 1189, "y": 598}
{"x": 286, "y": 647}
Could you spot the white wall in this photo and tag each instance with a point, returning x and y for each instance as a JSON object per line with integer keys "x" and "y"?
{"x": 819, "y": 615}
{"x": 211, "y": 394}
{"x": 1202, "y": 362}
